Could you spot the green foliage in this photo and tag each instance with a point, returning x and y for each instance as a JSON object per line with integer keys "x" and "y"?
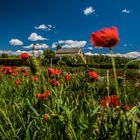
{"x": 13, "y": 62}
{"x": 48, "y": 54}
{"x": 34, "y": 65}
{"x": 4, "y": 55}
{"x": 73, "y": 60}
{"x": 74, "y": 108}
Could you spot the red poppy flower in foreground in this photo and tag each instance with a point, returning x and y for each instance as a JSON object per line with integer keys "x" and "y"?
{"x": 24, "y": 56}
{"x": 111, "y": 101}
{"x": 106, "y": 37}
{"x": 54, "y": 71}
{"x": 93, "y": 75}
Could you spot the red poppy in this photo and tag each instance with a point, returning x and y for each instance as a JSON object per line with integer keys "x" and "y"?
{"x": 17, "y": 82}
{"x": 24, "y": 56}
{"x": 112, "y": 101}
{"x": 106, "y": 37}
{"x": 67, "y": 77}
{"x": 35, "y": 78}
{"x": 54, "y": 82}
{"x": 93, "y": 75}
{"x": 46, "y": 117}
{"x": 126, "y": 107}
{"x": 54, "y": 71}
{"x": 8, "y": 70}
{"x": 43, "y": 96}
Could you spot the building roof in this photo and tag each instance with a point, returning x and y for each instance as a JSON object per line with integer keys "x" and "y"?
{"x": 68, "y": 52}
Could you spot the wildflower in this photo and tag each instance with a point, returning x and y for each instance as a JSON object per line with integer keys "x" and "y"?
{"x": 46, "y": 117}
{"x": 106, "y": 37}
{"x": 17, "y": 82}
{"x": 24, "y": 56}
{"x": 54, "y": 71}
{"x": 54, "y": 82}
{"x": 93, "y": 75}
{"x": 112, "y": 101}
{"x": 126, "y": 107}
{"x": 67, "y": 77}
{"x": 35, "y": 78}
{"x": 8, "y": 70}
{"x": 43, "y": 96}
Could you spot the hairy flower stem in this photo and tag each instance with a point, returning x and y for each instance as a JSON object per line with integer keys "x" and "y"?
{"x": 114, "y": 72}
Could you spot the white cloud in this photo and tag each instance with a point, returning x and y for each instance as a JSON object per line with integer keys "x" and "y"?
{"x": 89, "y": 10}
{"x": 18, "y": 52}
{"x": 127, "y": 55}
{"x": 132, "y": 54}
{"x": 37, "y": 46}
{"x": 126, "y": 11}
{"x": 89, "y": 53}
{"x": 44, "y": 27}
{"x": 15, "y": 42}
{"x": 36, "y": 52}
{"x": 69, "y": 44}
{"x": 36, "y": 37}
{"x": 11, "y": 52}
{"x": 90, "y": 48}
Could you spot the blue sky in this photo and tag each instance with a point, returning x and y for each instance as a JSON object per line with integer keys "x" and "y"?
{"x": 68, "y": 22}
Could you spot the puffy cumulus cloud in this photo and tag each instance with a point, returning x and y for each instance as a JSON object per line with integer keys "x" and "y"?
{"x": 44, "y": 27}
{"x": 37, "y": 46}
{"x": 69, "y": 44}
{"x": 126, "y": 11}
{"x": 36, "y": 37}
{"x": 89, "y": 10}
{"x": 15, "y": 42}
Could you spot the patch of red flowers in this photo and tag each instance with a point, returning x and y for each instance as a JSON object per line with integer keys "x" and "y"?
{"x": 93, "y": 75}
{"x": 111, "y": 101}
{"x": 106, "y": 37}
{"x": 55, "y": 71}
{"x": 43, "y": 96}
{"x": 67, "y": 77}
{"x": 9, "y": 70}
{"x": 54, "y": 82}
{"x": 24, "y": 56}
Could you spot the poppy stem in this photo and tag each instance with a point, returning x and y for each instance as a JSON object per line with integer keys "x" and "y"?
{"x": 114, "y": 72}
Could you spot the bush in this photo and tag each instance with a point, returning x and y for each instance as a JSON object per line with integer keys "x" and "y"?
{"x": 13, "y": 62}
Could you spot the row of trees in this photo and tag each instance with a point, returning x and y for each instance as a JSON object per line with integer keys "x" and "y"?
{"x": 48, "y": 57}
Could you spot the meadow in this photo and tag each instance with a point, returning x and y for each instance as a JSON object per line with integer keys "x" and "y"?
{"x": 66, "y": 103}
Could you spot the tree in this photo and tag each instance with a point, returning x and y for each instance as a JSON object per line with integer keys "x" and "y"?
{"x": 4, "y": 55}
{"x": 48, "y": 54}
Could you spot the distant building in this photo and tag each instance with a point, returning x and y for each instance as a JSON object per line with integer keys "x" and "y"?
{"x": 68, "y": 52}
